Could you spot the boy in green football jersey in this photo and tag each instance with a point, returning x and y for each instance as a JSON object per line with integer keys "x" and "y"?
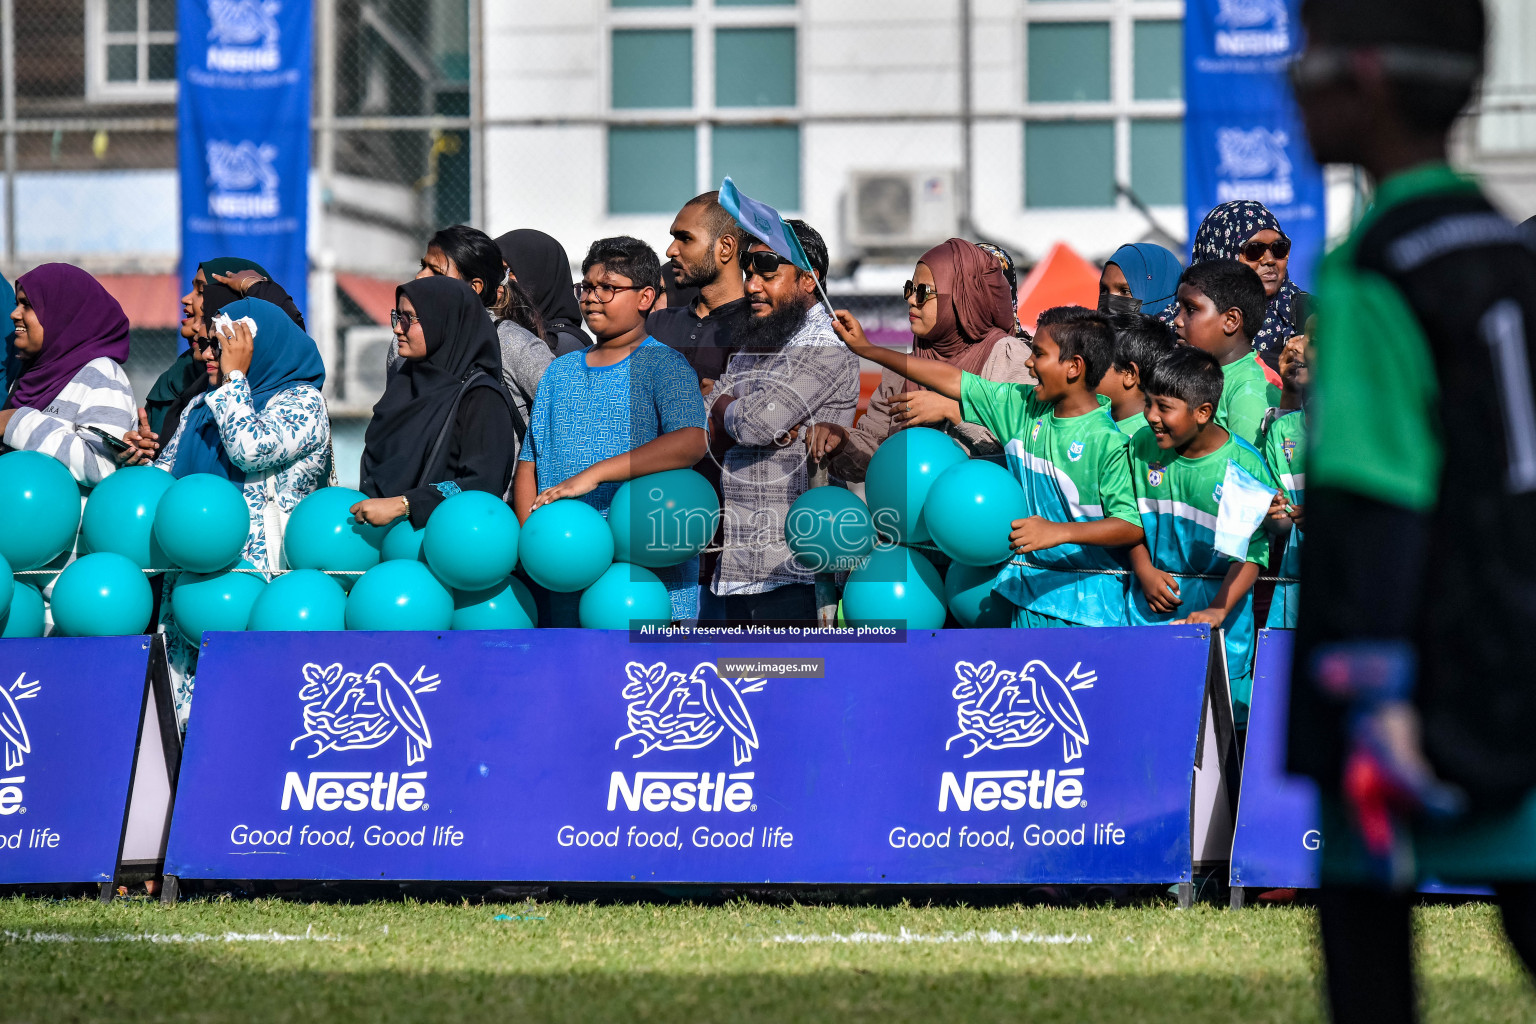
{"x": 1180, "y": 466}
{"x": 1066, "y": 453}
{"x": 1139, "y": 341}
{"x": 1221, "y": 305}
{"x": 1285, "y": 450}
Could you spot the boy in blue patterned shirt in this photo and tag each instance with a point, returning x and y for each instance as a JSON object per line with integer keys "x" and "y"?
{"x": 626, "y": 407}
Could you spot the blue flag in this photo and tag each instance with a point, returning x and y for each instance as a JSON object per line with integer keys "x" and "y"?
{"x": 764, "y": 223}
{"x": 242, "y": 139}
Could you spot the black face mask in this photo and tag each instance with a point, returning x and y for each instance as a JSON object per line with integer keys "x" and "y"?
{"x": 1110, "y": 304}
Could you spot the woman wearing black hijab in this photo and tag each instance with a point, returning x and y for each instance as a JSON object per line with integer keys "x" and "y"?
{"x": 539, "y": 264}
{"x": 444, "y": 424}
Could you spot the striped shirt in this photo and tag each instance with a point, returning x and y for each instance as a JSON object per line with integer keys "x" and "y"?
{"x": 98, "y": 396}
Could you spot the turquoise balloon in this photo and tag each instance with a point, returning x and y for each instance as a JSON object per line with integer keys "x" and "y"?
{"x": 401, "y": 540}
{"x": 219, "y": 601}
{"x": 971, "y": 509}
{"x": 625, "y": 597}
{"x": 471, "y": 540}
{"x": 323, "y": 534}
{"x": 506, "y": 606}
{"x": 829, "y": 530}
{"x": 201, "y": 523}
{"x": 103, "y": 594}
{"x": 25, "y": 617}
{"x": 968, "y": 592}
{"x": 7, "y": 583}
{"x": 399, "y": 595}
{"x": 37, "y": 490}
{"x": 663, "y": 519}
{"x": 565, "y": 546}
{"x": 304, "y": 600}
{"x": 120, "y": 514}
{"x": 900, "y": 473}
{"x": 896, "y": 587}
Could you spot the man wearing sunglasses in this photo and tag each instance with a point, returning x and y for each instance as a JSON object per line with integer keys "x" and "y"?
{"x": 790, "y": 373}
{"x": 1412, "y": 698}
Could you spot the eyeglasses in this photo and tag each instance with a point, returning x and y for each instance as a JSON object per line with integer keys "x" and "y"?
{"x": 396, "y": 318}
{"x": 604, "y": 292}
{"x": 1254, "y": 251}
{"x": 762, "y": 263}
{"x": 1324, "y": 66}
{"x": 925, "y": 293}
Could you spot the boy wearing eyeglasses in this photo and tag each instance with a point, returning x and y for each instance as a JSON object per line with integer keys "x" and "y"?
{"x": 1220, "y": 305}
{"x": 626, "y": 407}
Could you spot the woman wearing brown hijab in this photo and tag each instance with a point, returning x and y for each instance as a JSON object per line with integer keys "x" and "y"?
{"x": 961, "y": 310}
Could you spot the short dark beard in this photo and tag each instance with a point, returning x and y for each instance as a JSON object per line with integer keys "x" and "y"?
{"x": 700, "y": 275}
{"x": 770, "y": 333}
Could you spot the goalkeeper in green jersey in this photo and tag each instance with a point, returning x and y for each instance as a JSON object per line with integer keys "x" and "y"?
{"x": 1413, "y": 693}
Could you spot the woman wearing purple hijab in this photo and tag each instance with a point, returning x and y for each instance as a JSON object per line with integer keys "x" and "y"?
{"x": 73, "y": 337}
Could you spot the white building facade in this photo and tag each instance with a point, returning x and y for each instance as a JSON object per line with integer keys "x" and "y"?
{"x": 604, "y": 116}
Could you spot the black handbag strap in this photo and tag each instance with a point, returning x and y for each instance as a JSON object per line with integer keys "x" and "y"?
{"x": 437, "y": 457}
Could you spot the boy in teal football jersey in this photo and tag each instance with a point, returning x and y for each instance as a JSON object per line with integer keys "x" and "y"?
{"x": 1139, "y": 341}
{"x": 1221, "y": 306}
{"x": 1285, "y": 450}
{"x": 1066, "y": 452}
{"x": 1179, "y": 466}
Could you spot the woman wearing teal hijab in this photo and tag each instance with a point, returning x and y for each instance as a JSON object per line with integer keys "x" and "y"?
{"x": 1140, "y": 278}
{"x": 262, "y": 425}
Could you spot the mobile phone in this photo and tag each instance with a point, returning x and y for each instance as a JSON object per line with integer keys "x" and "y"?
{"x": 117, "y": 444}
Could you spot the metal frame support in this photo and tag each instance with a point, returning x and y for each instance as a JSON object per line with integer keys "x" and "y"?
{"x": 8, "y": 111}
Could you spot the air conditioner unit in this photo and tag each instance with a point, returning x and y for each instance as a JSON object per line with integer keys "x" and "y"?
{"x": 901, "y": 209}
{"x": 366, "y": 349}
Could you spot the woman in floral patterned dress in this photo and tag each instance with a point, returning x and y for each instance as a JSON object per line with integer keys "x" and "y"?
{"x": 262, "y": 425}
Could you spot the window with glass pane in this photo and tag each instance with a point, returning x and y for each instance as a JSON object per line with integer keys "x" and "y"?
{"x": 754, "y": 3}
{"x": 1159, "y": 60}
{"x": 650, "y": 170}
{"x": 653, "y": 3}
{"x": 755, "y": 67}
{"x": 123, "y": 62}
{"x": 1157, "y": 162}
{"x": 162, "y": 15}
{"x": 122, "y": 15}
{"x": 1068, "y": 62}
{"x": 162, "y": 62}
{"x": 652, "y": 68}
{"x": 763, "y": 160}
{"x": 1069, "y": 163}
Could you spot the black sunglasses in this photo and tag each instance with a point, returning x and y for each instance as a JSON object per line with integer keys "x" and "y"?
{"x": 762, "y": 263}
{"x": 1254, "y": 251}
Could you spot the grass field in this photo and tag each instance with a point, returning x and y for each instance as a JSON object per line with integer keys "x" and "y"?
{"x": 221, "y": 959}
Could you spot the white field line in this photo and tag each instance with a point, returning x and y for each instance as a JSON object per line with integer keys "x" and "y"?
{"x": 12, "y": 937}
{"x": 905, "y": 937}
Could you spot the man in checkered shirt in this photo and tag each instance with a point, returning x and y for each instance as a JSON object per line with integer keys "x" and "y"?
{"x": 790, "y": 372}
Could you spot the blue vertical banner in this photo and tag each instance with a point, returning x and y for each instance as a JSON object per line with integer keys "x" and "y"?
{"x": 1243, "y": 137}
{"x": 242, "y": 114}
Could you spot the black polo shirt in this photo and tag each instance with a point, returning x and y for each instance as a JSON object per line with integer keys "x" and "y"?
{"x": 706, "y": 342}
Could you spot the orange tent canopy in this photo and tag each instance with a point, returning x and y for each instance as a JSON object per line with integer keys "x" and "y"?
{"x": 1062, "y": 278}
